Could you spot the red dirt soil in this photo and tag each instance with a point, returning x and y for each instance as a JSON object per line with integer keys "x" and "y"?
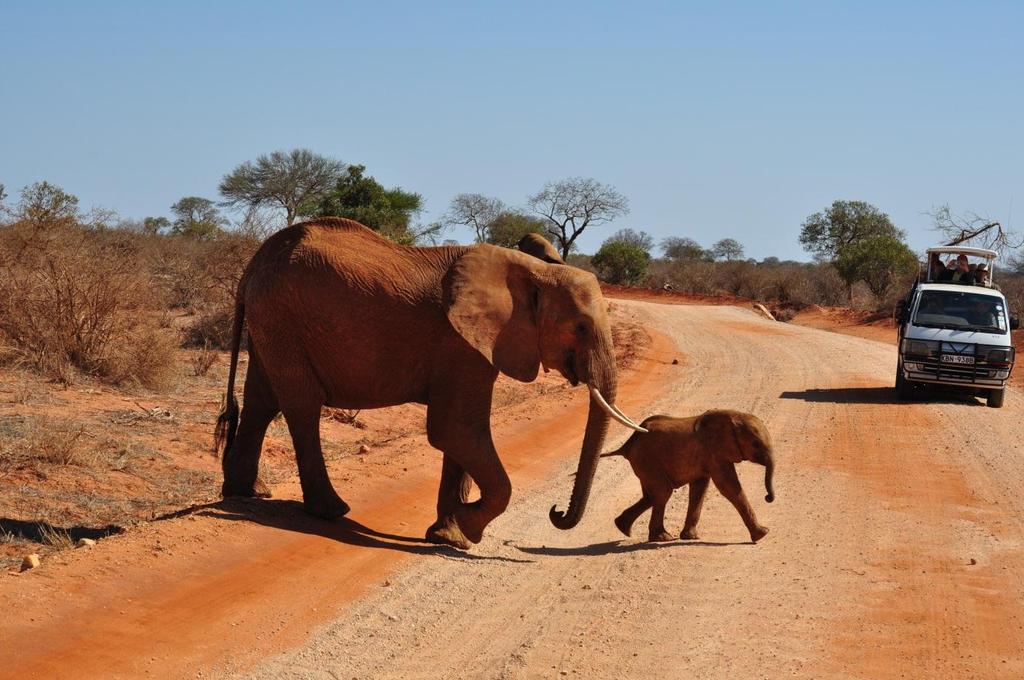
{"x": 171, "y": 597}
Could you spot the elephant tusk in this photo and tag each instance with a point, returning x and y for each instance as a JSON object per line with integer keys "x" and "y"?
{"x": 614, "y": 412}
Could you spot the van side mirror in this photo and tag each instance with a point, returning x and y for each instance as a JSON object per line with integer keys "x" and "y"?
{"x": 901, "y": 311}
{"x": 1014, "y": 323}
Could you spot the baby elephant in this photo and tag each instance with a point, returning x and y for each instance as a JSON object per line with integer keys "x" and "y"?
{"x": 678, "y": 451}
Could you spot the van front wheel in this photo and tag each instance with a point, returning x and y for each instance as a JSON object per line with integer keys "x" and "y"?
{"x": 995, "y": 398}
{"x": 904, "y": 389}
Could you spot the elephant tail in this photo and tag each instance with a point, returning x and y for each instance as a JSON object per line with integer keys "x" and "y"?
{"x": 227, "y": 421}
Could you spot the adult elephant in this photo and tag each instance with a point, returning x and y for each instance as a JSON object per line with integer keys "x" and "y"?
{"x": 339, "y": 316}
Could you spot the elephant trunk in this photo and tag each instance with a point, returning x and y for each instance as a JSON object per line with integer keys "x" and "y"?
{"x": 602, "y": 376}
{"x": 769, "y": 471}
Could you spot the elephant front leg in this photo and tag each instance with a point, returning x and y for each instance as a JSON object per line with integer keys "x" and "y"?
{"x": 458, "y": 423}
{"x": 698, "y": 491}
{"x": 728, "y": 484}
{"x": 453, "y": 492}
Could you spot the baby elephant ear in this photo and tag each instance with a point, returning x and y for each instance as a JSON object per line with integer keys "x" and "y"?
{"x": 490, "y": 299}
{"x": 717, "y": 429}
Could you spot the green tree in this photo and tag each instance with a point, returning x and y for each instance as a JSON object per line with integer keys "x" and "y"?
{"x": 289, "y": 180}
{"x": 45, "y": 203}
{"x": 155, "y": 225}
{"x": 640, "y": 239}
{"x": 825, "y": 233}
{"x": 620, "y": 262}
{"x": 571, "y": 205}
{"x": 727, "y": 249}
{"x": 880, "y": 262}
{"x": 680, "y": 248}
{"x": 197, "y": 218}
{"x": 362, "y": 198}
{"x": 510, "y": 226}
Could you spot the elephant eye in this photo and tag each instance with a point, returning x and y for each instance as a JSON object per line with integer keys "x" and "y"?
{"x": 581, "y": 328}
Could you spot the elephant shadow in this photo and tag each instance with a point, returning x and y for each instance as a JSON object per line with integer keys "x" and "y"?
{"x": 617, "y": 547}
{"x": 288, "y": 515}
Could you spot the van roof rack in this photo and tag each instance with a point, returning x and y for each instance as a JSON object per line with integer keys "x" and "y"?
{"x": 965, "y": 250}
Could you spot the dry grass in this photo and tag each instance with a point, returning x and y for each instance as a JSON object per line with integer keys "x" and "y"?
{"x": 342, "y": 415}
{"x": 55, "y": 537}
{"x": 31, "y": 442}
{"x": 202, "y": 360}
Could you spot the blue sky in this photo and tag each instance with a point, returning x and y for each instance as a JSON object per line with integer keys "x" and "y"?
{"x": 715, "y": 119}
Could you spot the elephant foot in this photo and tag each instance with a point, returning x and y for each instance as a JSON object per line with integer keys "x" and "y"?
{"x": 328, "y": 506}
{"x": 447, "y": 532}
{"x": 624, "y": 525}
{"x": 663, "y": 537}
{"x": 689, "y": 535}
{"x": 260, "y": 489}
{"x": 232, "y": 489}
{"x": 758, "y": 533}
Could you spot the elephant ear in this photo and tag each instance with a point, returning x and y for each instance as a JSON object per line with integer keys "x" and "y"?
{"x": 717, "y": 430}
{"x": 491, "y": 300}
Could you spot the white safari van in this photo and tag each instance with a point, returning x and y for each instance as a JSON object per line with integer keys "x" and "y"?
{"x": 955, "y": 333}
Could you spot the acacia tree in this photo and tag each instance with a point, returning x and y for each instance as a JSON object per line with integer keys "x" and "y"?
{"x": 508, "y": 228}
{"x": 45, "y": 203}
{"x": 681, "y": 248}
{"x": 197, "y": 217}
{"x": 476, "y": 211}
{"x": 289, "y": 180}
{"x": 728, "y": 249}
{"x": 571, "y": 205}
{"x": 640, "y": 239}
{"x": 825, "y": 233}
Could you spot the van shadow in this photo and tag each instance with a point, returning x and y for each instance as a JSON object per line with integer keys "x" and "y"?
{"x": 878, "y": 395}
{"x": 618, "y": 547}
{"x": 288, "y": 515}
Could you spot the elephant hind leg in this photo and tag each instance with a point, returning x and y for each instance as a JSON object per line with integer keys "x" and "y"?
{"x": 241, "y": 462}
{"x": 624, "y": 521}
{"x": 301, "y": 405}
{"x": 660, "y": 492}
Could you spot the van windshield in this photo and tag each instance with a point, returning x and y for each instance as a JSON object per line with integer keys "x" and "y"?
{"x": 962, "y": 311}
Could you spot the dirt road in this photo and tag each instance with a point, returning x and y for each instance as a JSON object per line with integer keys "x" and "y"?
{"x": 895, "y": 549}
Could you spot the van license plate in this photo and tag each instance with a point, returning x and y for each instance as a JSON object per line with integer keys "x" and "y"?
{"x": 957, "y": 359}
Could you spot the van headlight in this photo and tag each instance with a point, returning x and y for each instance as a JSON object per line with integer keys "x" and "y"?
{"x": 923, "y": 348}
{"x": 913, "y": 367}
{"x": 1000, "y": 356}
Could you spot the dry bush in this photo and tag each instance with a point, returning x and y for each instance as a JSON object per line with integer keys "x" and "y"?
{"x": 73, "y": 297}
{"x": 203, "y": 360}
{"x": 28, "y": 442}
{"x": 212, "y": 329}
{"x": 343, "y": 415}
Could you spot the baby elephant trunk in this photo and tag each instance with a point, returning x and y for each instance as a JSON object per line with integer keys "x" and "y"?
{"x": 769, "y": 470}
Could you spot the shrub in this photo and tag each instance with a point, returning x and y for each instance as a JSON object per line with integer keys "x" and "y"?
{"x": 621, "y": 263}
{"x": 72, "y": 297}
